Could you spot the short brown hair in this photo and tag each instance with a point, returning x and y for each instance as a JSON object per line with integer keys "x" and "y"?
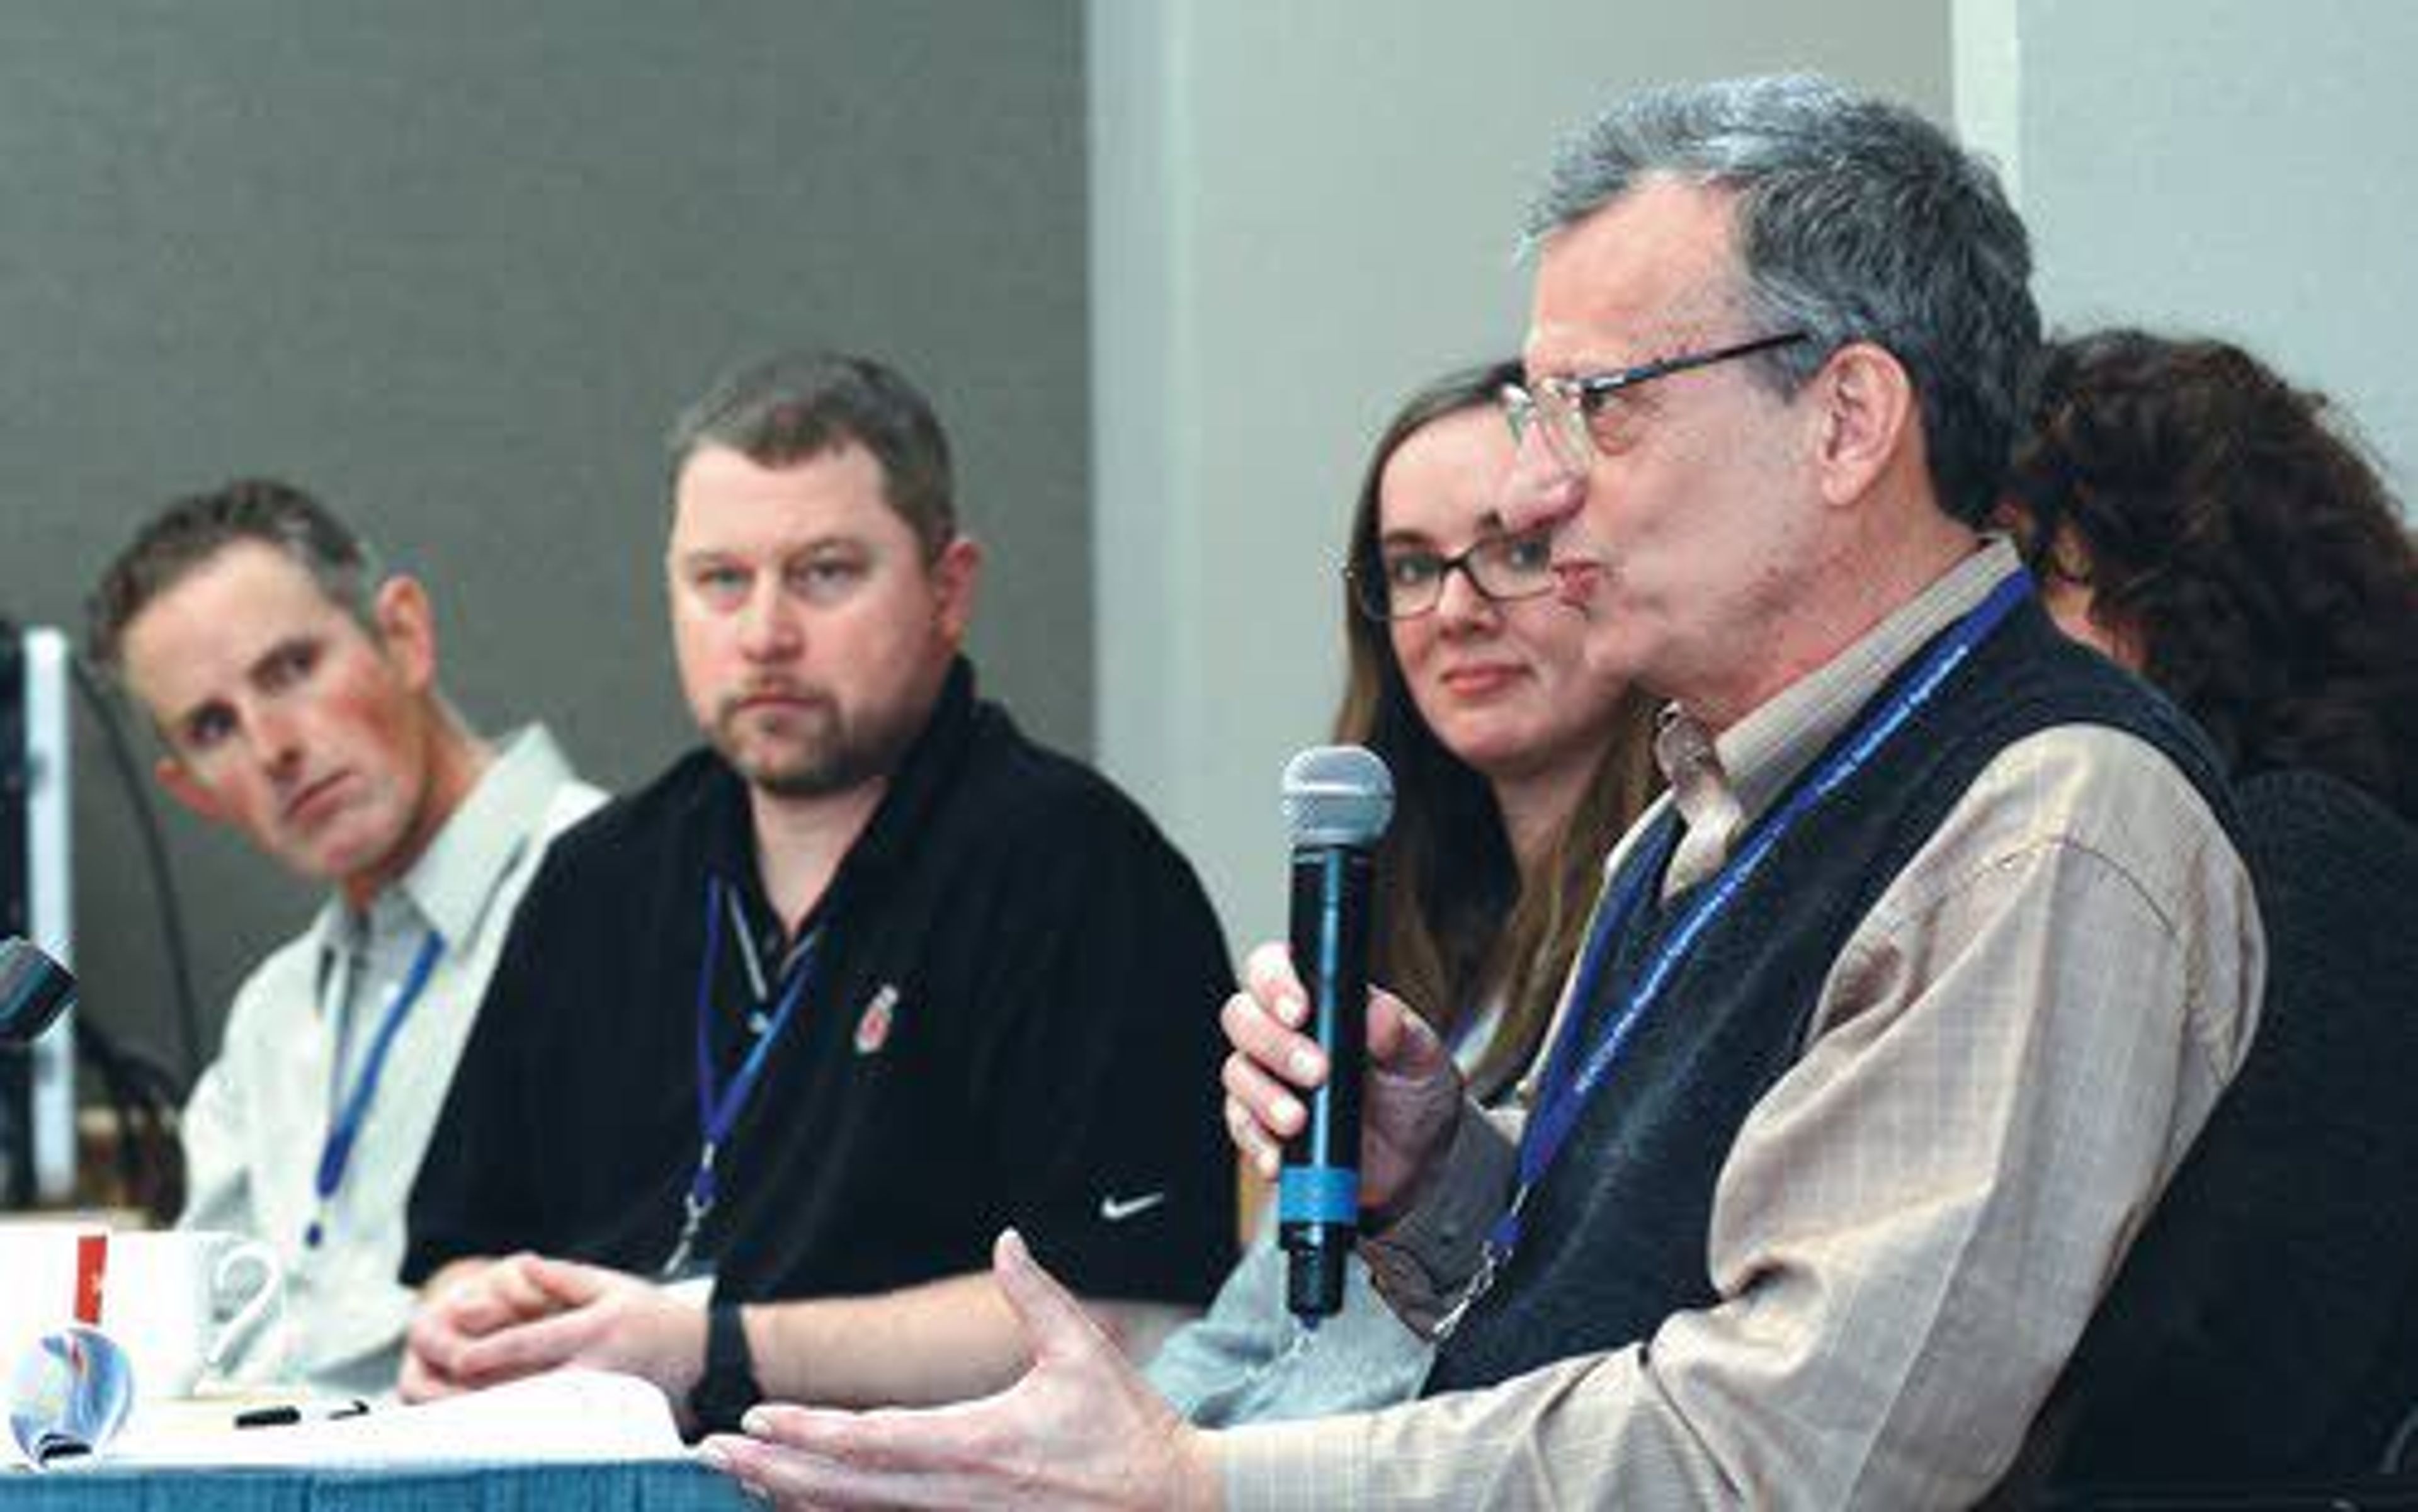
{"x": 800, "y": 405}
{"x": 193, "y": 531}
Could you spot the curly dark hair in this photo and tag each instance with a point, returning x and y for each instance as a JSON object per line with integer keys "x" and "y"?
{"x": 2235, "y": 532}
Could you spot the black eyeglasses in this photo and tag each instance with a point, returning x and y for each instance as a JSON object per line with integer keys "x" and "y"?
{"x": 1410, "y": 581}
{"x": 1564, "y": 408}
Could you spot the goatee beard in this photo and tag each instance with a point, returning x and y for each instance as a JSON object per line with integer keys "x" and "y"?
{"x": 833, "y": 760}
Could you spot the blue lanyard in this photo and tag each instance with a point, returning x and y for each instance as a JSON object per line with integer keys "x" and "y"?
{"x": 344, "y": 1126}
{"x": 718, "y": 1106}
{"x": 1572, "y": 1077}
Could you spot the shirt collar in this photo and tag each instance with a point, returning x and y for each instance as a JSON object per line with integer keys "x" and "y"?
{"x": 449, "y": 888}
{"x": 924, "y": 777}
{"x": 1721, "y": 784}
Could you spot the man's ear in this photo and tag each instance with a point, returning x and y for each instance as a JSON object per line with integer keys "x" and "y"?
{"x": 1868, "y": 419}
{"x": 407, "y": 630}
{"x": 186, "y": 789}
{"x": 956, "y": 581}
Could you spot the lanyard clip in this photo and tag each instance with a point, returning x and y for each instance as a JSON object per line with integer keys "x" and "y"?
{"x": 694, "y": 1204}
{"x": 1480, "y": 1284}
{"x": 691, "y": 1223}
{"x": 1503, "y": 1238}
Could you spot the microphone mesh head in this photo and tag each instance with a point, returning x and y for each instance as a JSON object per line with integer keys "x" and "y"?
{"x": 1336, "y": 794}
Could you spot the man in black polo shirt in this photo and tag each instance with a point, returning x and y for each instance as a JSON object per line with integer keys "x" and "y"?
{"x": 831, "y": 1003}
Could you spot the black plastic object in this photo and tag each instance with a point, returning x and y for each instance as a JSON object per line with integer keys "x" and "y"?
{"x": 34, "y": 991}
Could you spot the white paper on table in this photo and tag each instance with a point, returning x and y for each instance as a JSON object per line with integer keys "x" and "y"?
{"x": 587, "y": 1416}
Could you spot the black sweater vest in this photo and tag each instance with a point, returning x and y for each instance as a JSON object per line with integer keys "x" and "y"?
{"x": 1615, "y": 1232}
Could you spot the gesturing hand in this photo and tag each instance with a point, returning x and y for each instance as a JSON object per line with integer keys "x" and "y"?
{"x": 1081, "y": 1429}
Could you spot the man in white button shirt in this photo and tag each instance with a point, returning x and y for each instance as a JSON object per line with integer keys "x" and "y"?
{"x": 295, "y": 690}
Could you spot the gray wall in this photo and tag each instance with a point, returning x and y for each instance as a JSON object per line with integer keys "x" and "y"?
{"x": 1300, "y": 212}
{"x": 454, "y": 264}
{"x": 2244, "y": 170}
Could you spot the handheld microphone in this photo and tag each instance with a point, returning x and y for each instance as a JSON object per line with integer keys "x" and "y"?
{"x": 1338, "y": 800}
{"x": 34, "y": 991}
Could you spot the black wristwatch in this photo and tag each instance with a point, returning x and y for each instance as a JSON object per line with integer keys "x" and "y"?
{"x": 727, "y": 1388}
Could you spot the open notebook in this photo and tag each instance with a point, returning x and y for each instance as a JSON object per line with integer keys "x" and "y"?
{"x": 569, "y": 1415}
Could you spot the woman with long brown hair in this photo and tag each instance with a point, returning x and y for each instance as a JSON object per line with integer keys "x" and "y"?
{"x": 1514, "y": 771}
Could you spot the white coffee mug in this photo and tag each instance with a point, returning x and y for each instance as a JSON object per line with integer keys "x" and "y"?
{"x": 52, "y": 1274}
{"x": 182, "y": 1301}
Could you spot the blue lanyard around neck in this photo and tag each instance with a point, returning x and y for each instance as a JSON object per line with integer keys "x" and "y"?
{"x": 1575, "y": 1071}
{"x": 347, "y": 1118}
{"x": 719, "y": 1105}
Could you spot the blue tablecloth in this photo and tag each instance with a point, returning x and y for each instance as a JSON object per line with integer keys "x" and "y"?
{"x": 654, "y": 1487}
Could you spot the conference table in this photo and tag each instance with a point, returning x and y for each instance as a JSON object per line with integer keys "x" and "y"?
{"x": 630, "y": 1486}
{"x": 567, "y": 1439}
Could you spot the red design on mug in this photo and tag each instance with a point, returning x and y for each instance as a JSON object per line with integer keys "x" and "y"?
{"x": 92, "y": 1275}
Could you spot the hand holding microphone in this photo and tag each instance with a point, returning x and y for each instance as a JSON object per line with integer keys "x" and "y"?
{"x": 1337, "y": 801}
{"x": 1409, "y": 1092}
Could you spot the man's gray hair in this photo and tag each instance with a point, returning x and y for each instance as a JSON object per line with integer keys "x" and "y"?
{"x": 801, "y": 405}
{"x": 1856, "y": 221}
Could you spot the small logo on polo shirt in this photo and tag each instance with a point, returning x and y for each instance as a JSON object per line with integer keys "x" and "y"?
{"x": 1115, "y": 1209}
{"x": 873, "y": 1025}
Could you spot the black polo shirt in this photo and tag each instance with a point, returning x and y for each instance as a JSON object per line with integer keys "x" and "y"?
{"x": 1009, "y": 1018}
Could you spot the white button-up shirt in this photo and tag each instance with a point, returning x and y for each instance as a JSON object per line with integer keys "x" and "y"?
{"x": 296, "y": 1040}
